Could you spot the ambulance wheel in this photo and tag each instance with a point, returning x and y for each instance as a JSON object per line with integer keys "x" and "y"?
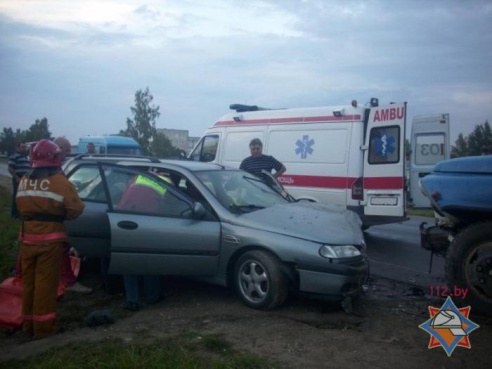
{"x": 469, "y": 266}
{"x": 260, "y": 281}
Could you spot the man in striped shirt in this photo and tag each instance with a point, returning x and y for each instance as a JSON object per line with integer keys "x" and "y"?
{"x": 257, "y": 162}
{"x": 18, "y": 166}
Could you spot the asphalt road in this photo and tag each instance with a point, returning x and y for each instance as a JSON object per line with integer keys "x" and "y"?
{"x": 394, "y": 252}
{"x": 3, "y": 170}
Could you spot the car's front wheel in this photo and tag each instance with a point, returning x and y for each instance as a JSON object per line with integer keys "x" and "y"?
{"x": 259, "y": 280}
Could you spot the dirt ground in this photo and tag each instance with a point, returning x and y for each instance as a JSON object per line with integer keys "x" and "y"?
{"x": 381, "y": 332}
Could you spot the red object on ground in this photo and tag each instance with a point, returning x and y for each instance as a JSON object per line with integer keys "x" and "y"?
{"x": 11, "y": 303}
{"x": 11, "y": 298}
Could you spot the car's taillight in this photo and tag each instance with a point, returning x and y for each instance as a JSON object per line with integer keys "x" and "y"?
{"x": 358, "y": 189}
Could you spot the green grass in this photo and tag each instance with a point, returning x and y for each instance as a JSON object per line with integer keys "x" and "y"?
{"x": 180, "y": 352}
{"x": 420, "y": 212}
{"x": 9, "y": 229}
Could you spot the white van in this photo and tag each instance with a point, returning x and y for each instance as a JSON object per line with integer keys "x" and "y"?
{"x": 431, "y": 143}
{"x": 345, "y": 155}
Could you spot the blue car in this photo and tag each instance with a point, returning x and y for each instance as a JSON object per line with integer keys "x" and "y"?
{"x": 460, "y": 192}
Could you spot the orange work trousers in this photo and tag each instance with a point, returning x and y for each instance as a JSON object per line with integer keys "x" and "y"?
{"x": 40, "y": 278}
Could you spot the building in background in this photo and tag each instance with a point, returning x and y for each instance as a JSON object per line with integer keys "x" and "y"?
{"x": 179, "y": 138}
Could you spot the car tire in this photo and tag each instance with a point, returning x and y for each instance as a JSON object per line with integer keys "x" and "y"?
{"x": 469, "y": 265}
{"x": 260, "y": 281}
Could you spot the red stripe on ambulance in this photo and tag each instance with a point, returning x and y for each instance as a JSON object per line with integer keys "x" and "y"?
{"x": 342, "y": 183}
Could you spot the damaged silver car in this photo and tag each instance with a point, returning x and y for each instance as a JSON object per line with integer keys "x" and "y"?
{"x": 217, "y": 224}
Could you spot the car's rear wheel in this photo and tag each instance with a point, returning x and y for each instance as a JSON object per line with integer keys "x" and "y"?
{"x": 260, "y": 281}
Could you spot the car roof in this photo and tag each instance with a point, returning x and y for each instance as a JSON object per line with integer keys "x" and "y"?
{"x": 110, "y": 157}
{"x": 143, "y": 161}
{"x": 73, "y": 161}
{"x": 192, "y": 166}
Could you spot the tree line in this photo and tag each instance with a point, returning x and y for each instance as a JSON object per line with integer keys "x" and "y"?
{"x": 9, "y": 138}
{"x": 478, "y": 142}
{"x": 141, "y": 127}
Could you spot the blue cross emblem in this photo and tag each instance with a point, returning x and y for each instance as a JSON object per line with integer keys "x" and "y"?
{"x": 384, "y": 145}
{"x": 304, "y": 146}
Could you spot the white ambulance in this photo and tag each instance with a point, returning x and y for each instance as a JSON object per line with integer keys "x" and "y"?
{"x": 345, "y": 155}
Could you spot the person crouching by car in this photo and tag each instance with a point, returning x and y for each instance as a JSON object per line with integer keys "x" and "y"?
{"x": 45, "y": 199}
{"x": 143, "y": 195}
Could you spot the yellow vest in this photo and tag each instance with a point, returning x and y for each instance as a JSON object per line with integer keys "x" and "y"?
{"x": 146, "y": 181}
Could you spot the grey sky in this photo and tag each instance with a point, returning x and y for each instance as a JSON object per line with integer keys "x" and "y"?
{"x": 79, "y": 63}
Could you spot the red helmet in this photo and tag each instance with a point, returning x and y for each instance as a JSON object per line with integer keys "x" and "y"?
{"x": 46, "y": 154}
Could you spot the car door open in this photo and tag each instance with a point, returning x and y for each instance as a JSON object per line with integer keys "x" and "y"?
{"x": 384, "y": 162}
{"x": 153, "y": 227}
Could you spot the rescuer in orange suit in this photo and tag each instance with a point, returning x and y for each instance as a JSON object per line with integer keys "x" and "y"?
{"x": 45, "y": 199}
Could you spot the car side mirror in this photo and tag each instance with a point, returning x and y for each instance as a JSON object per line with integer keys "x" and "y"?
{"x": 198, "y": 210}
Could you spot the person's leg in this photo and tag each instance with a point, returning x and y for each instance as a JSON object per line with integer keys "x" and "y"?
{"x": 47, "y": 278}
{"x": 131, "y": 292}
{"x": 28, "y": 257}
{"x": 153, "y": 289}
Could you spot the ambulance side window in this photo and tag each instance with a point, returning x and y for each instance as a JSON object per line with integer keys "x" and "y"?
{"x": 384, "y": 146}
{"x": 206, "y": 150}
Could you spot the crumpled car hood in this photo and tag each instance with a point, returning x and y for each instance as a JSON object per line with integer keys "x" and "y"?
{"x": 311, "y": 221}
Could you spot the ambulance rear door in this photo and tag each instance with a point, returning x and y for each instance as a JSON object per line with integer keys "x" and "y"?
{"x": 384, "y": 161}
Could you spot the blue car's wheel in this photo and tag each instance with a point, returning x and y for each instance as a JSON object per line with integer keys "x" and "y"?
{"x": 469, "y": 264}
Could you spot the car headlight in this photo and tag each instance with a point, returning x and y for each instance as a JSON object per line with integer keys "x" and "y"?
{"x": 338, "y": 252}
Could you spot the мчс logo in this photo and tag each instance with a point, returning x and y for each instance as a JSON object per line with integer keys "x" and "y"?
{"x": 449, "y": 326}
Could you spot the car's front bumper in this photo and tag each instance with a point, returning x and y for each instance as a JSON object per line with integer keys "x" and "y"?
{"x": 333, "y": 281}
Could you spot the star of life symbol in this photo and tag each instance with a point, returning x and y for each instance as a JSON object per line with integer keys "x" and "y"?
{"x": 304, "y": 146}
{"x": 449, "y": 327}
{"x": 384, "y": 145}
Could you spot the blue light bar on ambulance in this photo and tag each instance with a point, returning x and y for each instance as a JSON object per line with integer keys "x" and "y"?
{"x": 241, "y": 108}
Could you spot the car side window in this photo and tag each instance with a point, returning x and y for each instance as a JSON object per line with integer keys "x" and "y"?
{"x": 87, "y": 182}
{"x": 118, "y": 182}
{"x": 173, "y": 206}
{"x": 145, "y": 194}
